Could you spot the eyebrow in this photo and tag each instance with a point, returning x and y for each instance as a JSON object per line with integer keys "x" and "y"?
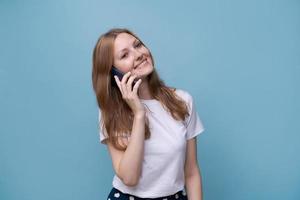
{"x": 135, "y": 40}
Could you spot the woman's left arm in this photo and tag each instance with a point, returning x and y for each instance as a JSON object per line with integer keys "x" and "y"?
{"x": 192, "y": 173}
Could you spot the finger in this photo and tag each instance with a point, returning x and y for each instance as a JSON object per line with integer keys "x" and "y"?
{"x": 136, "y": 86}
{"x": 125, "y": 77}
{"x": 118, "y": 83}
{"x": 123, "y": 83}
{"x": 129, "y": 82}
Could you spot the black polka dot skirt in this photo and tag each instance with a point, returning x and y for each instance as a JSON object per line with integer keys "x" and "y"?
{"x": 116, "y": 194}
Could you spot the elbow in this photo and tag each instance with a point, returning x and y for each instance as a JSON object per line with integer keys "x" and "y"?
{"x": 129, "y": 179}
{"x": 130, "y": 182}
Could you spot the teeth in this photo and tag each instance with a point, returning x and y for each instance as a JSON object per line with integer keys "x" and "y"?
{"x": 141, "y": 63}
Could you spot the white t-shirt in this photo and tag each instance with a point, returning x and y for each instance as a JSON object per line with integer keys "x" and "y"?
{"x": 164, "y": 152}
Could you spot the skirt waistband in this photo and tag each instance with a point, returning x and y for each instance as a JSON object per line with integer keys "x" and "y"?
{"x": 117, "y": 194}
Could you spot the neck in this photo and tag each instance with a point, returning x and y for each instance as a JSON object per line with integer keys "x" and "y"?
{"x": 144, "y": 92}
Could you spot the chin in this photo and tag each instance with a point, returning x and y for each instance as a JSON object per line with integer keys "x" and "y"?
{"x": 145, "y": 72}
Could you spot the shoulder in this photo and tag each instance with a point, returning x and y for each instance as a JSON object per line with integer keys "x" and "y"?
{"x": 185, "y": 95}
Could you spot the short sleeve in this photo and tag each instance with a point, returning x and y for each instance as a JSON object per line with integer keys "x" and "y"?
{"x": 102, "y": 131}
{"x": 193, "y": 122}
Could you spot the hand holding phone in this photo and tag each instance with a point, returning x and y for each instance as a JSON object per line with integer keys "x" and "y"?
{"x": 118, "y": 73}
{"x": 129, "y": 95}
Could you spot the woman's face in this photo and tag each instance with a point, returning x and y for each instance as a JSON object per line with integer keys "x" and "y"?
{"x": 131, "y": 55}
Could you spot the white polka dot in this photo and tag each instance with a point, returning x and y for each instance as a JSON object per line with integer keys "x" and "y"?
{"x": 165, "y": 199}
{"x": 183, "y": 193}
{"x": 131, "y": 198}
{"x": 117, "y": 195}
{"x": 108, "y": 199}
{"x": 176, "y": 196}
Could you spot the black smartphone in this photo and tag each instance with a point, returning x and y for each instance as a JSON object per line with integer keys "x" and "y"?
{"x": 118, "y": 73}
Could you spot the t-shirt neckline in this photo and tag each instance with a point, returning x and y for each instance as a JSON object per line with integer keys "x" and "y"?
{"x": 149, "y": 101}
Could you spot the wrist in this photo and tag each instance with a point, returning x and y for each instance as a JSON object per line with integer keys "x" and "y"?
{"x": 139, "y": 114}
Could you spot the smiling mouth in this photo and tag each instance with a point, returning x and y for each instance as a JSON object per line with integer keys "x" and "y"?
{"x": 143, "y": 62}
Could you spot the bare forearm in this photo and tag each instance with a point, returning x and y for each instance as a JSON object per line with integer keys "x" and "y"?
{"x": 130, "y": 165}
{"x": 193, "y": 186}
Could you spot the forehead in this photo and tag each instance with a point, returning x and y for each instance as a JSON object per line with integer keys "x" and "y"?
{"x": 122, "y": 41}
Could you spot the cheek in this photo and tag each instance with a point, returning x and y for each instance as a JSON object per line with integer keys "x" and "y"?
{"x": 124, "y": 65}
{"x": 147, "y": 52}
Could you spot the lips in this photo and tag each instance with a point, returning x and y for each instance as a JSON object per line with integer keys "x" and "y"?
{"x": 140, "y": 63}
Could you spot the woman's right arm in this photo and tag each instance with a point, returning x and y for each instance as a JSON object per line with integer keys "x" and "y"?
{"x": 128, "y": 163}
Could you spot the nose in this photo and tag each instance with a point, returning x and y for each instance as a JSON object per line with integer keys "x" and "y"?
{"x": 138, "y": 55}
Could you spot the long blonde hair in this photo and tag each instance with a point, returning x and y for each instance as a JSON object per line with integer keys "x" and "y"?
{"x": 116, "y": 115}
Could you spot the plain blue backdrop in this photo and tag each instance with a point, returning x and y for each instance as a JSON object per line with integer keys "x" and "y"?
{"x": 240, "y": 60}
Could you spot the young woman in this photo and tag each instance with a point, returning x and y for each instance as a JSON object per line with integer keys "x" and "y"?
{"x": 149, "y": 128}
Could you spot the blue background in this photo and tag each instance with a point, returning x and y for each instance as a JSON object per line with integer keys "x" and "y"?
{"x": 239, "y": 60}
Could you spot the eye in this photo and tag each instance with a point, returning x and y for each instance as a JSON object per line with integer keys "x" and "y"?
{"x": 139, "y": 44}
{"x": 124, "y": 55}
